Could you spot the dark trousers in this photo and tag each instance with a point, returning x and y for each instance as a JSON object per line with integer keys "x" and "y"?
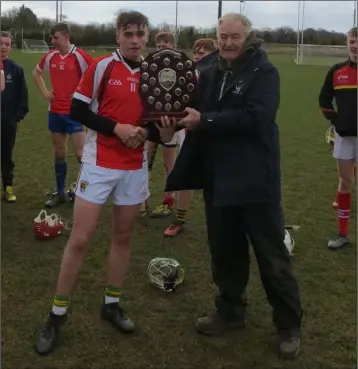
{"x": 8, "y": 136}
{"x": 229, "y": 231}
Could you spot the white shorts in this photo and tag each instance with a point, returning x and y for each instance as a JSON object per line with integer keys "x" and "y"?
{"x": 177, "y": 140}
{"x": 345, "y": 148}
{"x": 126, "y": 187}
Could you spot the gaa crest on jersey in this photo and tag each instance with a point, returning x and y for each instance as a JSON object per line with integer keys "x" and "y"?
{"x": 83, "y": 186}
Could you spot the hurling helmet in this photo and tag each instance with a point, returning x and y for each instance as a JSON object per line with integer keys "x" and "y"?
{"x": 330, "y": 133}
{"x": 165, "y": 273}
{"x": 47, "y": 226}
{"x": 289, "y": 242}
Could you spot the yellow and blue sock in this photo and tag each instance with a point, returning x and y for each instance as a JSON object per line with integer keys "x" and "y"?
{"x": 61, "y": 172}
{"x": 60, "y": 304}
{"x": 111, "y": 294}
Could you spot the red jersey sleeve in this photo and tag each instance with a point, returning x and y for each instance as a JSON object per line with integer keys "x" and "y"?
{"x": 88, "y": 58}
{"x": 84, "y": 60}
{"x": 1, "y": 65}
{"x": 43, "y": 64}
{"x": 85, "y": 89}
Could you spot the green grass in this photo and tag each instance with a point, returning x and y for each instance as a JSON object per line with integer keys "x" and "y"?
{"x": 166, "y": 337}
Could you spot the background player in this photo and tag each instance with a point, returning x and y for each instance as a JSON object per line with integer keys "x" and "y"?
{"x": 14, "y": 107}
{"x": 170, "y": 150}
{"x": 341, "y": 85}
{"x": 66, "y": 65}
{"x": 201, "y": 49}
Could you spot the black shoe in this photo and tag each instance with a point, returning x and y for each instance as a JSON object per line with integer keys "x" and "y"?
{"x": 225, "y": 317}
{"x": 57, "y": 200}
{"x": 289, "y": 343}
{"x": 47, "y": 336}
{"x": 114, "y": 313}
{"x": 213, "y": 325}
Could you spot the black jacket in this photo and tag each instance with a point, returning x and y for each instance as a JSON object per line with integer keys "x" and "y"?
{"x": 341, "y": 85}
{"x": 235, "y": 149}
{"x": 14, "y": 99}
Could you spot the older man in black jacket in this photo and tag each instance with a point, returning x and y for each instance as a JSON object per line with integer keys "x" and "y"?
{"x": 232, "y": 152}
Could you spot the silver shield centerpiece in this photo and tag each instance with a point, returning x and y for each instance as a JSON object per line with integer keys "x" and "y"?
{"x": 167, "y": 78}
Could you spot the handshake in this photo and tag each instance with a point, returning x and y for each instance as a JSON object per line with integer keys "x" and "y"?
{"x": 134, "y": 136}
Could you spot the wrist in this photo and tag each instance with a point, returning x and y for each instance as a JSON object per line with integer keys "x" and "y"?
{"x": 117, "y": 128}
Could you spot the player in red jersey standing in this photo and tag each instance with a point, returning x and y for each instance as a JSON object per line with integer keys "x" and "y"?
{"x": 107, "y": 101}
{"x": 65, "y": 64}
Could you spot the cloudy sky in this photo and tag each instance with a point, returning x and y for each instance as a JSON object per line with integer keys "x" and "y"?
{"x": 331, "y": 15}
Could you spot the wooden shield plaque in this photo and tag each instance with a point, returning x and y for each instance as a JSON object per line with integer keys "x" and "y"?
{"x": 167, "y": 84}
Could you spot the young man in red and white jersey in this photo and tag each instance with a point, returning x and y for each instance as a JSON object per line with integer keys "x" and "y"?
{"x": 201, "y": 48}
{"x": 107, "y": 101}
{"x": 340, "y": 86}
{"x": 66, "y": 65}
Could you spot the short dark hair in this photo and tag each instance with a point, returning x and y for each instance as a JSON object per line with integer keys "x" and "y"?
{"x": 62, "y": 28}
{"x": 165, "y": 36}
{"x": 353, "y": 32}
{"x": 126, "y": 19}
{"x": 5, "y": 34}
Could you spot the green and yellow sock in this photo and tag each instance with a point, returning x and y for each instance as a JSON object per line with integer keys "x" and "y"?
{"x": 60, "y": 304}
{"x": 111, "y": 294}
{"x": 181, "y": 215}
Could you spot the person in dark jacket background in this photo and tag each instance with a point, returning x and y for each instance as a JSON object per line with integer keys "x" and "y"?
{"x": 14, "y": 107}
{"x": 232, "y": 152}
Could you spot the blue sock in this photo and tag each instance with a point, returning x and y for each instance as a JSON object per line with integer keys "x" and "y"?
{"x": 61, "y": 171}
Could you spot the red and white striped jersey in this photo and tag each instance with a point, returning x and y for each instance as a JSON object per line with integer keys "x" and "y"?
{"x": 111, "y": 88}
{"x": 65, "y": 72}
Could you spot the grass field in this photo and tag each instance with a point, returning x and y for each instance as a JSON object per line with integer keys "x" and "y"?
{"x": 165, "y": 337}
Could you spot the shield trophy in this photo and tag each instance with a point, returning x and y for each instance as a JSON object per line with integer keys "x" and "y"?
{"x": 167, "y": 84}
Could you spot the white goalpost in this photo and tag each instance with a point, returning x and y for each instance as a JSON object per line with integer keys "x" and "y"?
{"x": 34, "y": 46}
{"x": 307, "y": 54}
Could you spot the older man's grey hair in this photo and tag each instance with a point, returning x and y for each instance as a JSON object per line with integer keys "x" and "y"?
{"x": 236, "y": 17}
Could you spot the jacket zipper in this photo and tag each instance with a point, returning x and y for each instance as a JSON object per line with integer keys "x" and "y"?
{"x": 223, "y": 85}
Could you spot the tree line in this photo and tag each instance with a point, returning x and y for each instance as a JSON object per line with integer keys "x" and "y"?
{"x": 22, "y": 22}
